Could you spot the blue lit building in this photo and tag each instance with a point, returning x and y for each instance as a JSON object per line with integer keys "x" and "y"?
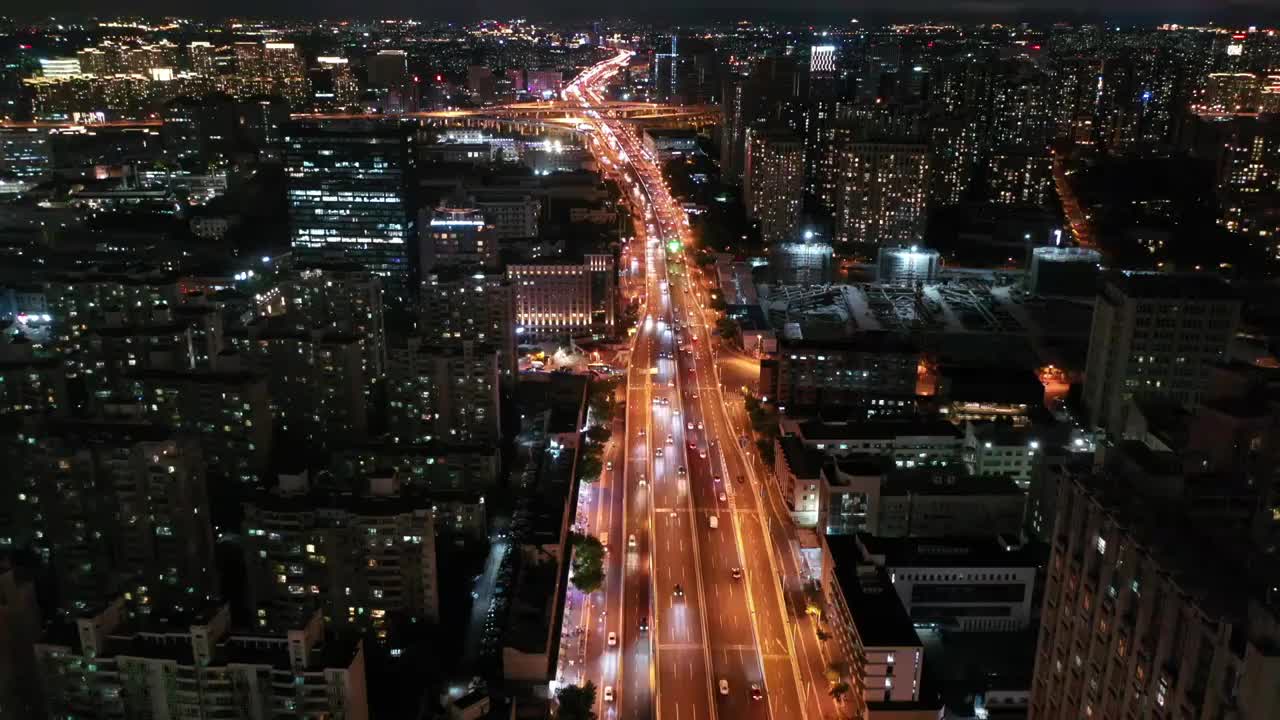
{"x": 350, "y": 198}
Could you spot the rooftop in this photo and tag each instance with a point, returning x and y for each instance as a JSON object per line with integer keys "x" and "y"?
{"x": 875, "y": 606}
{"x": 1170, "y": 286}
{"x": 877, "y": 429}
{"x": 995, "y": 551}
{"x": 805, "y": 462}
{"x": 934, "y": 481}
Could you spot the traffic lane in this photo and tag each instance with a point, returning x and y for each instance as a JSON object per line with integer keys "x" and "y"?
{"x": 682, "y": 675}
{"x": 680, "y": 618}
{"x": 771, "y": 619}
{"x": 737, "y": 666}
{"x": 730, "y": 619}
{"x": 779, "y": 687}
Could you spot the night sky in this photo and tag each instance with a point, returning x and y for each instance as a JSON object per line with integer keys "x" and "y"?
{"x": 690, "y": 10}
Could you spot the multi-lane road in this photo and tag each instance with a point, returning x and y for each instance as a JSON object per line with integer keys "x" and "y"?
{"x": 692, "y": 622}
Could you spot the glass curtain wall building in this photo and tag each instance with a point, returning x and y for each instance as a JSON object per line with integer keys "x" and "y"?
{"x": 349, "y": 189}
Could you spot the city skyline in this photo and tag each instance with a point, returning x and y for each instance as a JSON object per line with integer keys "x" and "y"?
{"x": 620, "y": 370}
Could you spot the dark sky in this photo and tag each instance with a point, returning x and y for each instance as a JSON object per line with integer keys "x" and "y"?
{"x": 687, "y": 10}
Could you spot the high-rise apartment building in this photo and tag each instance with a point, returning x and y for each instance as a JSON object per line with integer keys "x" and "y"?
{"x": 108, "y": 665}
{"x": 557, "y": 300}
{"x": 1155, "y": 335}
{"x": 883, "y": 197}
{"x": 315, "y": 379}
{"x": 111, "y": 506}
{"x": 350, "y": 198}
{"x": 445, "y": 391}
{"x": 230, "y": 410}
{"x": 1019, "y": 176}
{"x": 363, "y": 558}
{"x": 773, "y": 182}
{"x": 457, "y": 305}
{"x": 455, "y": 237}
{"x": 1144, "y": 618}
{"x": 343, "y": 298}
{"x": 24, "y": 152}
{"x": 1231, "y": 93}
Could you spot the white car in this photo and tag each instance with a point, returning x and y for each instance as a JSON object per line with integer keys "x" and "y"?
{"x": 631, "y": 540}
{"x": 689, "y": 426}
{"x": 724, "y": 686}
{"x": 608, "y": 693}
{"x": 723, "y": 497}
{"x": 613, "y": 639}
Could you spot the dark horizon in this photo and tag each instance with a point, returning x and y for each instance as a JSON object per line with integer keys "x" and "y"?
{"x": 1133, "y": 12}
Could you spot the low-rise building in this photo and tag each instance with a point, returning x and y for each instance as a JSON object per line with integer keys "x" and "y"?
{"x": 105, "y": 665}
{"x": 981, "y": 584}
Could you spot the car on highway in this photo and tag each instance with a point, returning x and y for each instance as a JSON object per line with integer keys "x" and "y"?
{"x": 631, "y": 540}
{"x": 699, "y": 424}
{"x": 681, "y": 471}
{"x": 756, "y": 692}
{"x": 657, "y": 452}
{"x": 723, "y": 497}
{"x": 736, "y": 573}
{"x": 702, "y": 453}
{"x": 693, "y": 445}
{"x": 678, "y": 591}
{"x": 715, "y": 478}
{"x": 689, "y": 426}
{"x": 608, "y": 465}
{"x": 644, "y": 624}
{"x": 671, "y": 440}
{"x": 724, "y": 686}
{"x": 608, "y": 693}
{"x": 741, "y": 479}
{"x": 613, "y": 639}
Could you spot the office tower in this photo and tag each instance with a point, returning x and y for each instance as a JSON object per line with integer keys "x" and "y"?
{"x": 1155, "y": 335}
{"x": 109, "y": 506}
{"x": 1146, "y": 616}
{"x": 332, "y": 83}
{"x": 24, "y": 152}
{"x": 455, "y": 237}
{"x": 567, "y": 299}
{"x": 883, "y": 196}
{"x": 362, "y": 557}
{"x": 445, "y": 392}
{"x": 954, "y": 147}
{"x": 230, "y": 410}
{"x": 773, "y": 182}
{"x": 481, "y": 82}
{"x": 336, "y": 297}
{"x": 315, "y": 378}
{"x": 1017, "y": 176}
{"x": 350, "y": 198}
{"x": 1231, "y": 93}
{"x": 388, "y": 68}
{"x": 457, "y": 305}
{"x": 59, "y": 67}
{"x": 107, "y": 665}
